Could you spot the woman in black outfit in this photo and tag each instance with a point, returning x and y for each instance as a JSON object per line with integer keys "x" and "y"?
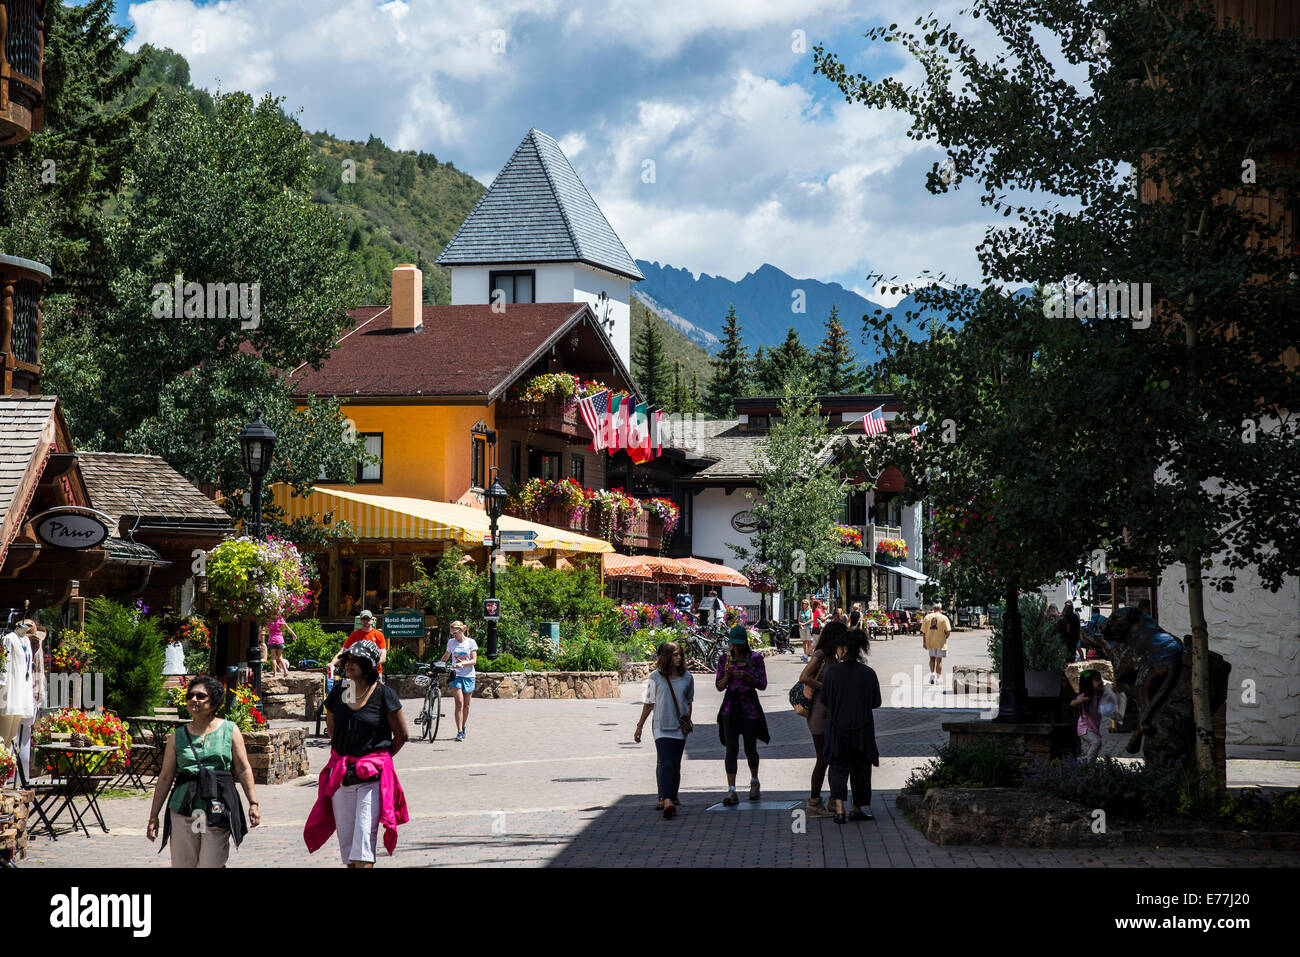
{"x": 851, "y": 691}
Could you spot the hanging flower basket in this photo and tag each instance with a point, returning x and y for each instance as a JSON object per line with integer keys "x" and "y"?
{"x": 667, "y": 512}
{"x": 255, "y": 580}
{"x": 891, "y": 551}
{"x": 847, "y": 536}
{"x": 762, "y": 577}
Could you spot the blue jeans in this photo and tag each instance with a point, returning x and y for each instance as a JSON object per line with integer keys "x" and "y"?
{"x": 668, "y": 771}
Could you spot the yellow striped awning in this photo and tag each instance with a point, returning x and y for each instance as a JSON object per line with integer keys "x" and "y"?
{"x": 391, "y": 517}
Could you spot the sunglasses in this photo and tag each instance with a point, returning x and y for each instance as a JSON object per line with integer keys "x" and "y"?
{"x": 196, "y": 694}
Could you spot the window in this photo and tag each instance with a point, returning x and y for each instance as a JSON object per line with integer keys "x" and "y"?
{"x": 364, "y": 473}
{"x": 578, "y": 468}
{"x": 478, "y": 461}
{"x": 514, "y": 286}
{"x": 374, "y": 446}
{"x": 758, "y": 423}
{"x": 544, "y": 465}
{"x": 516, "y": 462}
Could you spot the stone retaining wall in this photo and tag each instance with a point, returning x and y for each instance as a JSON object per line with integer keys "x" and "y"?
{"x": 13, "y": 835}
{"x": 277, "y": 755}
{"x": 1014, "y": 817}
{"x": 548, "y": 684}
{"x": 1018, "y": 742}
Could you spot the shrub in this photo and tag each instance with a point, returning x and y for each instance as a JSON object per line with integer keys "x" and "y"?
{"x": 196, "y": 662}
{"x": 313, "y": 642}
{"x": 1043, "y": 651}
{"x": 590, "y": 655}
{"x": 399, "y": 662}
{"x": 963, "y": 766}
{"x": 503, "y": 663}
{"x": 1126, "y": 789}
{"x": 129, "y": 651}
{"x": 244, "y": 708}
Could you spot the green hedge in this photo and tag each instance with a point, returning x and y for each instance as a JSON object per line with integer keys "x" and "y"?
{"x": 312, "y": 642}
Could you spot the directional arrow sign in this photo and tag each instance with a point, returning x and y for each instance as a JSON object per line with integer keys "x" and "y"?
{"x": 518, "y": 545}
{"x": 512, "y": 536}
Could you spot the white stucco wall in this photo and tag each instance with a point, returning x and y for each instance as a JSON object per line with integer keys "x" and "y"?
{"x": 1258, "y": 632}
{"x": 712, "y": 531}
{"x": 588, "y": 284}
{"x": 554, "y": 282}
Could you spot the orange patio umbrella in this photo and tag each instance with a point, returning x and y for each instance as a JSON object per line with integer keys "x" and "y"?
{"x": 711, "y": 573}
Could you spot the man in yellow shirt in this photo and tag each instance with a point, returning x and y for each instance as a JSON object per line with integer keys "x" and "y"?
{"x": 934, "y": 639}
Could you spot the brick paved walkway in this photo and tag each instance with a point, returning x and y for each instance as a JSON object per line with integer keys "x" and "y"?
{"x": 561, "y": 783}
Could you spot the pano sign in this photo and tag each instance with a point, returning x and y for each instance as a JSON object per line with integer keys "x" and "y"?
{"x": 71, "y": 527}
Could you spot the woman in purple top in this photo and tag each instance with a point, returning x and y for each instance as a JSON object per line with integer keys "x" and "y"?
{"x": 741, "y": 676}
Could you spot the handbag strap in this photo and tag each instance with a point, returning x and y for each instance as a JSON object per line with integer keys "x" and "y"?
{"x": 676, "y": 706}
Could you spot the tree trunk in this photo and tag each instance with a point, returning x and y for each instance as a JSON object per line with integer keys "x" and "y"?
{"x": 1206, "y": 765}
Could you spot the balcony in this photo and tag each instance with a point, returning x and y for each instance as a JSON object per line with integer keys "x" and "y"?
{"x": 22, "y": 284}
{"x": 872, "y": 535}
{"x": 646, "y": 532}
{"x": 555, "y": 416}
{"x": 22, "y": 90}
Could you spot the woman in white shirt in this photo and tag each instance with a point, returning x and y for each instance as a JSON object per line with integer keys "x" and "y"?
{"x": 669, "y": 694}
{"x": 463, "y": 652}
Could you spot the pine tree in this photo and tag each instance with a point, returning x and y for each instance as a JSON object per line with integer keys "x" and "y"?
{"x": 834, "y": 370}
{"x": 787, "y": 363}
{"x": 695, "y": 390}
{"x": 354, "y": 241}
{"x": 88, "y": 140}
{"x": 650, "y": 364}
{"x": 679, "y": 400}
{"x": 760, "y": 372}
{"x": 731, "y": 373}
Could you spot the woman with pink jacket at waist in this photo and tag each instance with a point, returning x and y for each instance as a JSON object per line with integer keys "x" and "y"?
{"x": 358, "y": 789}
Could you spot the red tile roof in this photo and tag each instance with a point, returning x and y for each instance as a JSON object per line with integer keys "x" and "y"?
{"x": 460, "y": 351}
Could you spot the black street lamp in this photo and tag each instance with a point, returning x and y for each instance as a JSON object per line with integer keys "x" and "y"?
{"x": 496, "y": 499}
{"x": 256, "y": 446}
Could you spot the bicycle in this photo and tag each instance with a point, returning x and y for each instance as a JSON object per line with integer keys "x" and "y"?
{"x": 429, "y": 676}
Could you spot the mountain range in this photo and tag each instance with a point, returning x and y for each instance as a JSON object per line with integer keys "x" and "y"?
{"x": 768, "y": 303}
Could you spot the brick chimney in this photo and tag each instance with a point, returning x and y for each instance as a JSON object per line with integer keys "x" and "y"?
{"x": 408, "y": 298}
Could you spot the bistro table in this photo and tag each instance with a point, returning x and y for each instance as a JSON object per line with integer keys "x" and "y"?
{"x": 80, "y": 781}
{"x": 159, "y": 727}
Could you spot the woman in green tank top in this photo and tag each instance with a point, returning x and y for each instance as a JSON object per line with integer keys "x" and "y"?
{"x": 204, "y": 758}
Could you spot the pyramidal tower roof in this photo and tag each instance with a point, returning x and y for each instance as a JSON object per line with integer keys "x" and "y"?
{"x": 537, "y": 210}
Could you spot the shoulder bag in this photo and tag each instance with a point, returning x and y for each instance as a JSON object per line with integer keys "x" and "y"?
{"x": 801, "y": 696}
{"x": 218, "y": 814}
{"x": 683, "y": 722}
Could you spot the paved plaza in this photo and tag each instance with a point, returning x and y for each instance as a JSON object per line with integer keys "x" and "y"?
{"x": 561, "y": 783}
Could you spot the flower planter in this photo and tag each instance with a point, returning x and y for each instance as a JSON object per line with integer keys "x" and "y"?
{"x": 889, "y": 560}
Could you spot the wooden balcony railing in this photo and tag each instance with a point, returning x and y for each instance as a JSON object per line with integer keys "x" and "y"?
{"x": 646, "y": 533}
{"x": 878, "y": 534}
{"x": 22, "y": 50}
{"x": 22, "y": 284}
{"x": 555, "y": 416}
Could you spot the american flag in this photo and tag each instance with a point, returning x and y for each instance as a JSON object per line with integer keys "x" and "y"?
{"x": 917, "y": 430}
{"x": 588, "y": 407}
{"x": 874, "y": 422}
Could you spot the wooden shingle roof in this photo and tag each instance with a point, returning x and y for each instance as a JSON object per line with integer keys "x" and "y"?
{"x": 28, "y": 433}
{"x": 127, "y": 486}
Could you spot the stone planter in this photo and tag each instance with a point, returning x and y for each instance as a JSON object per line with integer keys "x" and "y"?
{"x": 636, "y": 670}
{"x": 13, "y": 834}
{"x": 1018, "y": 742}
{"x": 277, "y": 755}
{"x": 548, "y": 684}
{"x": 1014, "y": 817}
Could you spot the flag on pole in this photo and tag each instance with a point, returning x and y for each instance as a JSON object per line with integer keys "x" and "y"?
{"x": 917, "y": 430}
{"x": 588, "y": 409}
{"x": 618, "y": 415}
{"x": 638, "y": 434}
{"x": 657, "y": 432}
{"x": 874, "y": 422}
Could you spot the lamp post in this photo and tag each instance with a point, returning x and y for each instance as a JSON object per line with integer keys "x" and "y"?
{"x": 496, "y": 500}
{"x": 256, "y": 446}
{"x": 764, "y": 526}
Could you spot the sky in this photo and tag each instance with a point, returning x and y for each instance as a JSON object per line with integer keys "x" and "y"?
{"x": 697, "y": 125}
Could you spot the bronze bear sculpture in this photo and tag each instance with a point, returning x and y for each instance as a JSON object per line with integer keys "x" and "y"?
{"x": 1154, "y": 668}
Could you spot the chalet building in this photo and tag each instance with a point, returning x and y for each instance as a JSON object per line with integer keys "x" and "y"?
{"x": 435, "y": 393}
{"x": 709, "y": 479}
{"x": 537, "y": 236}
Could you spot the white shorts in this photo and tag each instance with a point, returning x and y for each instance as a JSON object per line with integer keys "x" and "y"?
{"x": 938, "y": 652}
{"x": 356, "y": 819}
